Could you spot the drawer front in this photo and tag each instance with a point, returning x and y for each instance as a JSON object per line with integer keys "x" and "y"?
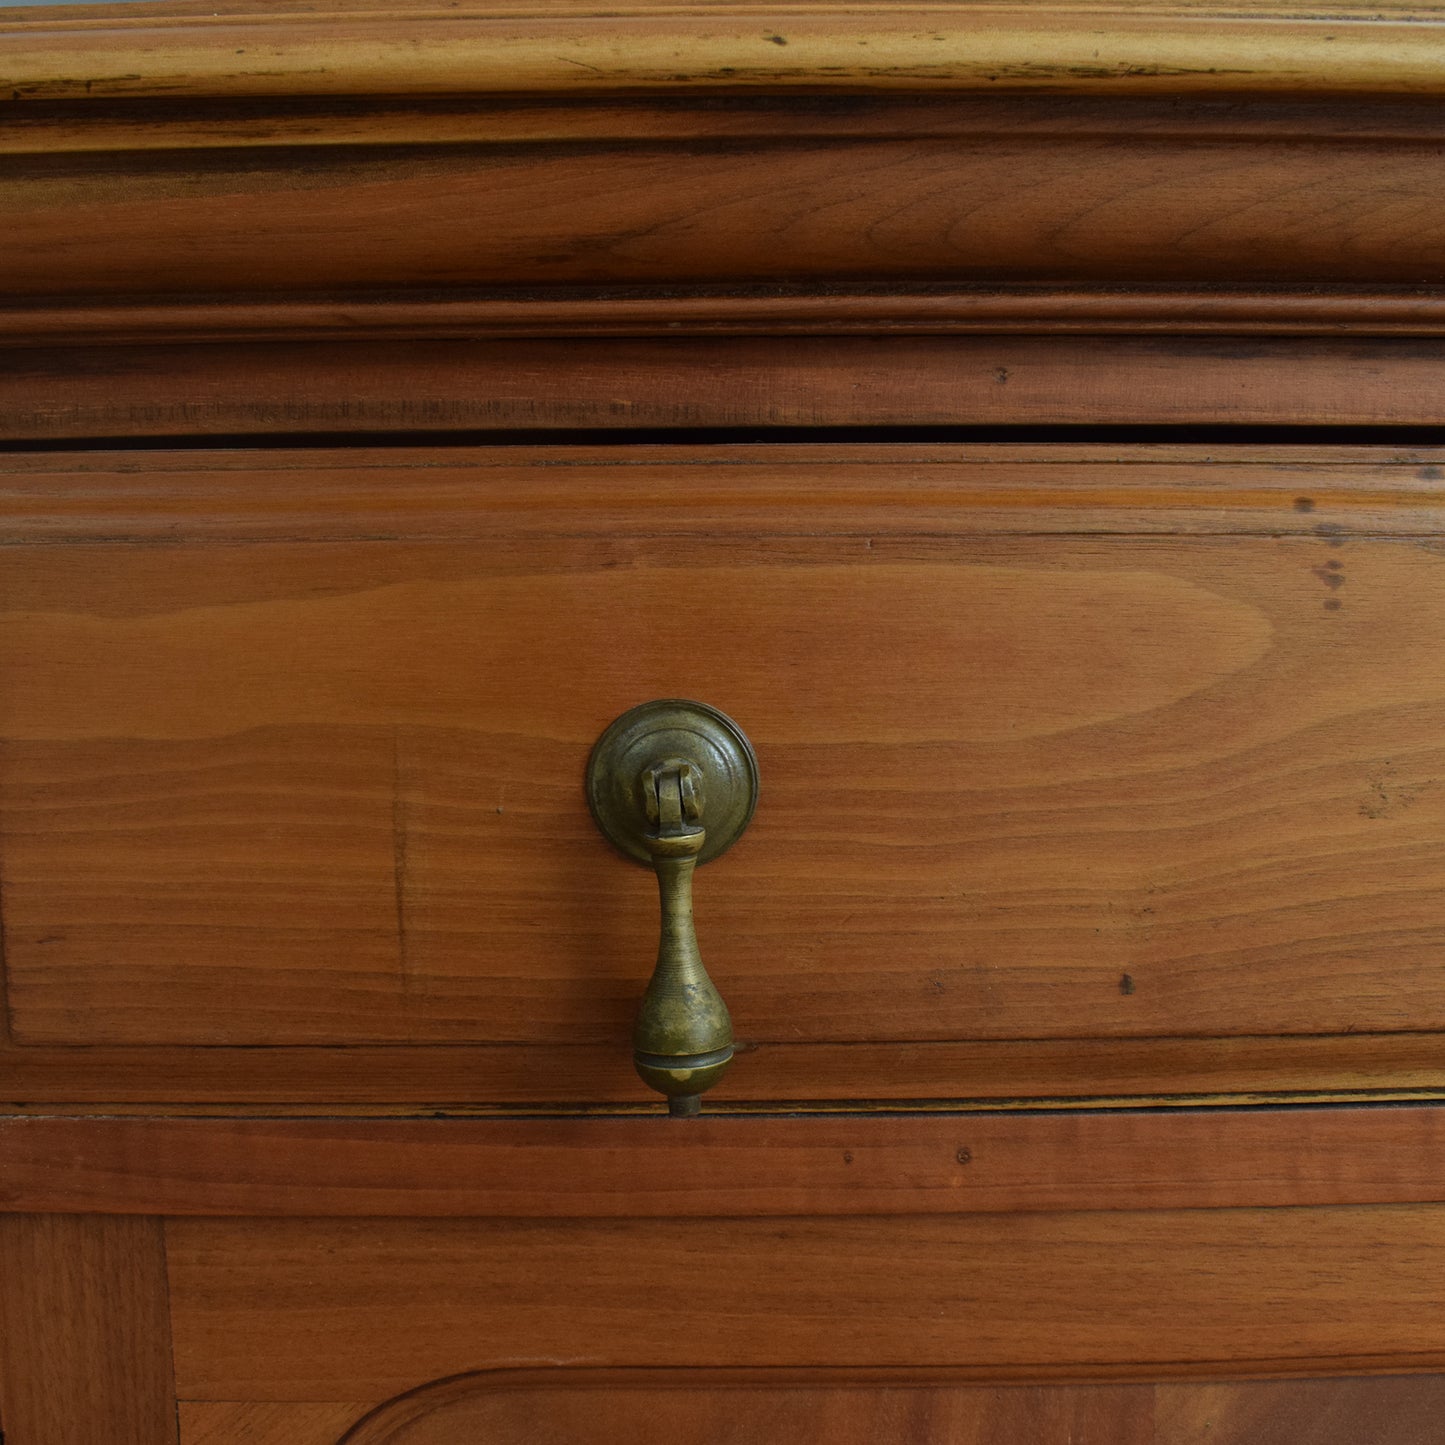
{"x": 1068, "y": 758}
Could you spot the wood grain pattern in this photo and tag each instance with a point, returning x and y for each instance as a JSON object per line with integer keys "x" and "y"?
{"x": 545, "y": 48}
{"x": 639, "y": 1168}
{"x": 466, "y": 1080}
{"x": 119, "y": 128}
{"x": 84, "y": 1332}
{"x": 1334, "y": 311}
{"x": 348, "y": 770}
{"x": 452, "y": 386}
{"x": 1278, "y": 10}
{"x": 982, "y": 193}
{"x": 1405, "y": 1411}
{"x": 704, "y": 1408}
{"x": 272, "y": 727}
{"x": 291, "y": 785}
{"x": 477, "y": 494}
{"x": 1401, "y": 1410}
{"x": 209, "y": 1422}
{"x": 307, "y": 1310}
{"x": 133, "y": 223}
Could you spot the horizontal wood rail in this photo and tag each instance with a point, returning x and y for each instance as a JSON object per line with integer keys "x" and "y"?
{"x": 438, "y": 387}
{"x": 189, "y": 50}
{"x": 642, "y": 1167}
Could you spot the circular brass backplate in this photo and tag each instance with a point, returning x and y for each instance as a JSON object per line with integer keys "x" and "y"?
{"x": 672, "y": 728}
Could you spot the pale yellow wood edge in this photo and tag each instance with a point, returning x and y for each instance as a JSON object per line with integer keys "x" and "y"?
{"x": 106, "y": 54}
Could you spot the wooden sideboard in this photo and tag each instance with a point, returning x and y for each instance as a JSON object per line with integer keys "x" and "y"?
{"x": 1024, "y": 420}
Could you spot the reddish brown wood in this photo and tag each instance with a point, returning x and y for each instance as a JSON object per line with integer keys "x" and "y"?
{"x": 227, "y": 1422}
{"x": 718, "y": 1166}
{"x": 707, "y": 1407}
{"x": 336, "y": 1309}
{"x": 1114, "y": 778}
{"x": 311, "y": 714}
{"x": 1403, "y": 1411}
{"x": 439, "y": 386}
{"x": 463, "y": 1080}
{"x": 1177, "y": 788}
{"x": 743, "y": 491}
{"x": 722, "y": 312}
{"x": 1400, "y": 1410}
{"x": 84, "y": 1332}
{"x": 1042, "y": 192}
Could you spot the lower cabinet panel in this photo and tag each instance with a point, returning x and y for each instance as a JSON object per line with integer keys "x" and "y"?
{"x": 1094, "y": 1326}
{"x": 355, "y": 1309}
{"x": 226, "y": 1422}
{"x": 482, "y": 1411}
{"x": 1398, "y": 1411}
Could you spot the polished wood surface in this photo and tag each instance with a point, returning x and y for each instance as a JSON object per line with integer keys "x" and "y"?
{"x": 722, "y": 312}
{"x": 131, "y": 222}
{"x": 84, "y": 1332}
{"x": 584, "y": 1079}
{"x": 1324, "y": 1412}
{"x": 305, "y": 388}
{"x": 696, "y": 1410}
{"x": 209, "y": 1422}
{"x": 372, "y": 759}
{"x": 1091, "y": 775}
{"x": 344, "y": 1309}
{"x": 638, "y": 1168}
{"x": 976, "y": 192}
{"x": 323, "y": 788}
{"x": 1384, "y": 1411}
{"x": 754, "y": 490}
{"x": 1332, "y": 46}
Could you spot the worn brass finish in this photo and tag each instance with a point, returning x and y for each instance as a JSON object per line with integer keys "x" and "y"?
{"x": 721, "y": 756}
{"x": 652, "y": 776}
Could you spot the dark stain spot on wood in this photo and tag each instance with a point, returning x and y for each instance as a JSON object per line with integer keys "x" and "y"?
{"x": 1330, "y": 575}
{"x": 964, "y": 1155}
{"x": 1333, "y": 604}
{"x": 847, "y": 1156}
{"x": 1334, "y": 564}
{"x": 1126, "y": 984}
{"x": 1304, "y": 504}
{"x": 1388, "y": 794}
{"x": 936, "y": 984}
{"x": 1431, "y": 474}
{"x": 778, "y": 39}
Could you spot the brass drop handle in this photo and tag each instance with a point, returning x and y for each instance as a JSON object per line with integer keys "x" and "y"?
{"x": 673, "y": 784}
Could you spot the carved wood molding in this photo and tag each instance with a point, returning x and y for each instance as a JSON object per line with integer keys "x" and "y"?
{"x": 423, "y": 387}
{"x": 183, "y": 49}
{"x": 376, "y": 209}
{"x": 1282, "y": 311}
